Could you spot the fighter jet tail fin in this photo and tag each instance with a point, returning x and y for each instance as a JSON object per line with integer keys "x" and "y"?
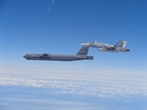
{"x": 83, "y": 51}
{"x": 121, "y": 43}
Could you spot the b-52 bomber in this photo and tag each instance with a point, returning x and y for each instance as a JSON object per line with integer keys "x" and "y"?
{"x": 81, "y": 55}
{"x": 118, "y": 47}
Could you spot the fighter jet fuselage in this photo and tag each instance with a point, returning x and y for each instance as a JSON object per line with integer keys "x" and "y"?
{"x": 119, "y": 47}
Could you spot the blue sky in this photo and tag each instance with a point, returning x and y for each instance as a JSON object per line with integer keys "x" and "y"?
{"x": 58, "y": 27}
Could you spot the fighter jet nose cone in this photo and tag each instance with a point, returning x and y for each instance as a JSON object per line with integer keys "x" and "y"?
{"x": 82, "y": 44}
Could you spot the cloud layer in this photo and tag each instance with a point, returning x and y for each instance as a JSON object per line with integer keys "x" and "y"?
{"x": 75, "y": 85}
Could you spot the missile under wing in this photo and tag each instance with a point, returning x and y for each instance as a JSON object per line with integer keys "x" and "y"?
{"x": 81, "y": 55}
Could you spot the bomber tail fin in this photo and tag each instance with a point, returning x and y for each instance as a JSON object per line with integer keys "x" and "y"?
{"x": 83, "y": 51}
{"x": 121, "y": 43}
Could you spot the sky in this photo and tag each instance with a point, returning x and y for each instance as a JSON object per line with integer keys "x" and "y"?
{"x": 111, "y": 80}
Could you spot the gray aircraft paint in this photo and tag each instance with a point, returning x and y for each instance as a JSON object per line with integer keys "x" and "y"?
{"x": 119, "y": 47}
{"x": 81, "y": 55}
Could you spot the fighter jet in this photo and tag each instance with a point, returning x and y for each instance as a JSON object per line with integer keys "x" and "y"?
{"x": 81, "y": 55}
{"x": 118, "y": 47}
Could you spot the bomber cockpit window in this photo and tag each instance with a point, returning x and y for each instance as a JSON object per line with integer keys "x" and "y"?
{"x": 93, "y": 42}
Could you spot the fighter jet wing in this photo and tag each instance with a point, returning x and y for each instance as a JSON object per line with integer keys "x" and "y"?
{"x": 110, "y": 48}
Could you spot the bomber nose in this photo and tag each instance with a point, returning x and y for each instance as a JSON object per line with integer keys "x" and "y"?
{"x": 25, "y": 56}
{"x": 128, "y": 50}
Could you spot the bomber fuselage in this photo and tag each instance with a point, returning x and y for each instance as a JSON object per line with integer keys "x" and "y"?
{"x": 57, "y": 57}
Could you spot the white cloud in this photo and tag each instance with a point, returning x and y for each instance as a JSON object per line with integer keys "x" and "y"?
{"x": 103, "y": 74}
{"x": 76, "y": 85}
{"x": 77, "y": 81}
{"x": 23, "y": 103}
